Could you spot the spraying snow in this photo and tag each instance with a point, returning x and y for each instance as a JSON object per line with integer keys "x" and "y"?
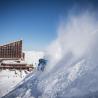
{"x": 72, "y": 71}
{"x": 74, "y": 39}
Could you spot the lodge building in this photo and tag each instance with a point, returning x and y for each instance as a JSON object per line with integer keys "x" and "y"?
{"x": 11, "y": 50}
{"x": 12, "y": 57}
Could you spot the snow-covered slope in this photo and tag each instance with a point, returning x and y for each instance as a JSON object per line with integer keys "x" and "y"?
{"x": 9, "y": 79}
{"x": 78, "y": 80}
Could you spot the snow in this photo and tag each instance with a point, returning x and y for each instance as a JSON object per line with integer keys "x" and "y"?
{"x": 74, "y": 71}
{"x": 9, "y": 79}
{"x": 13, "y": 62}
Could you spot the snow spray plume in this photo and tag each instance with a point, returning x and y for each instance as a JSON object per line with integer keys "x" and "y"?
{"x": 74, "y": 39}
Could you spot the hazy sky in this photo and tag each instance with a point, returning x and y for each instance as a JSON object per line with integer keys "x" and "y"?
{"x": 36, "y": 21}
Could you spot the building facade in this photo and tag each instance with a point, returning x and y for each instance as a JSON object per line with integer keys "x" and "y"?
{"x": 12, "y": 50}
{"x": 12, "y": 57}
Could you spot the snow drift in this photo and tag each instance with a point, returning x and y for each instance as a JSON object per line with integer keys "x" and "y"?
{"x": 72, "y": 71}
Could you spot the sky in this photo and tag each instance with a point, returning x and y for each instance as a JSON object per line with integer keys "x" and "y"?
{"x": 36, "y": 21}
